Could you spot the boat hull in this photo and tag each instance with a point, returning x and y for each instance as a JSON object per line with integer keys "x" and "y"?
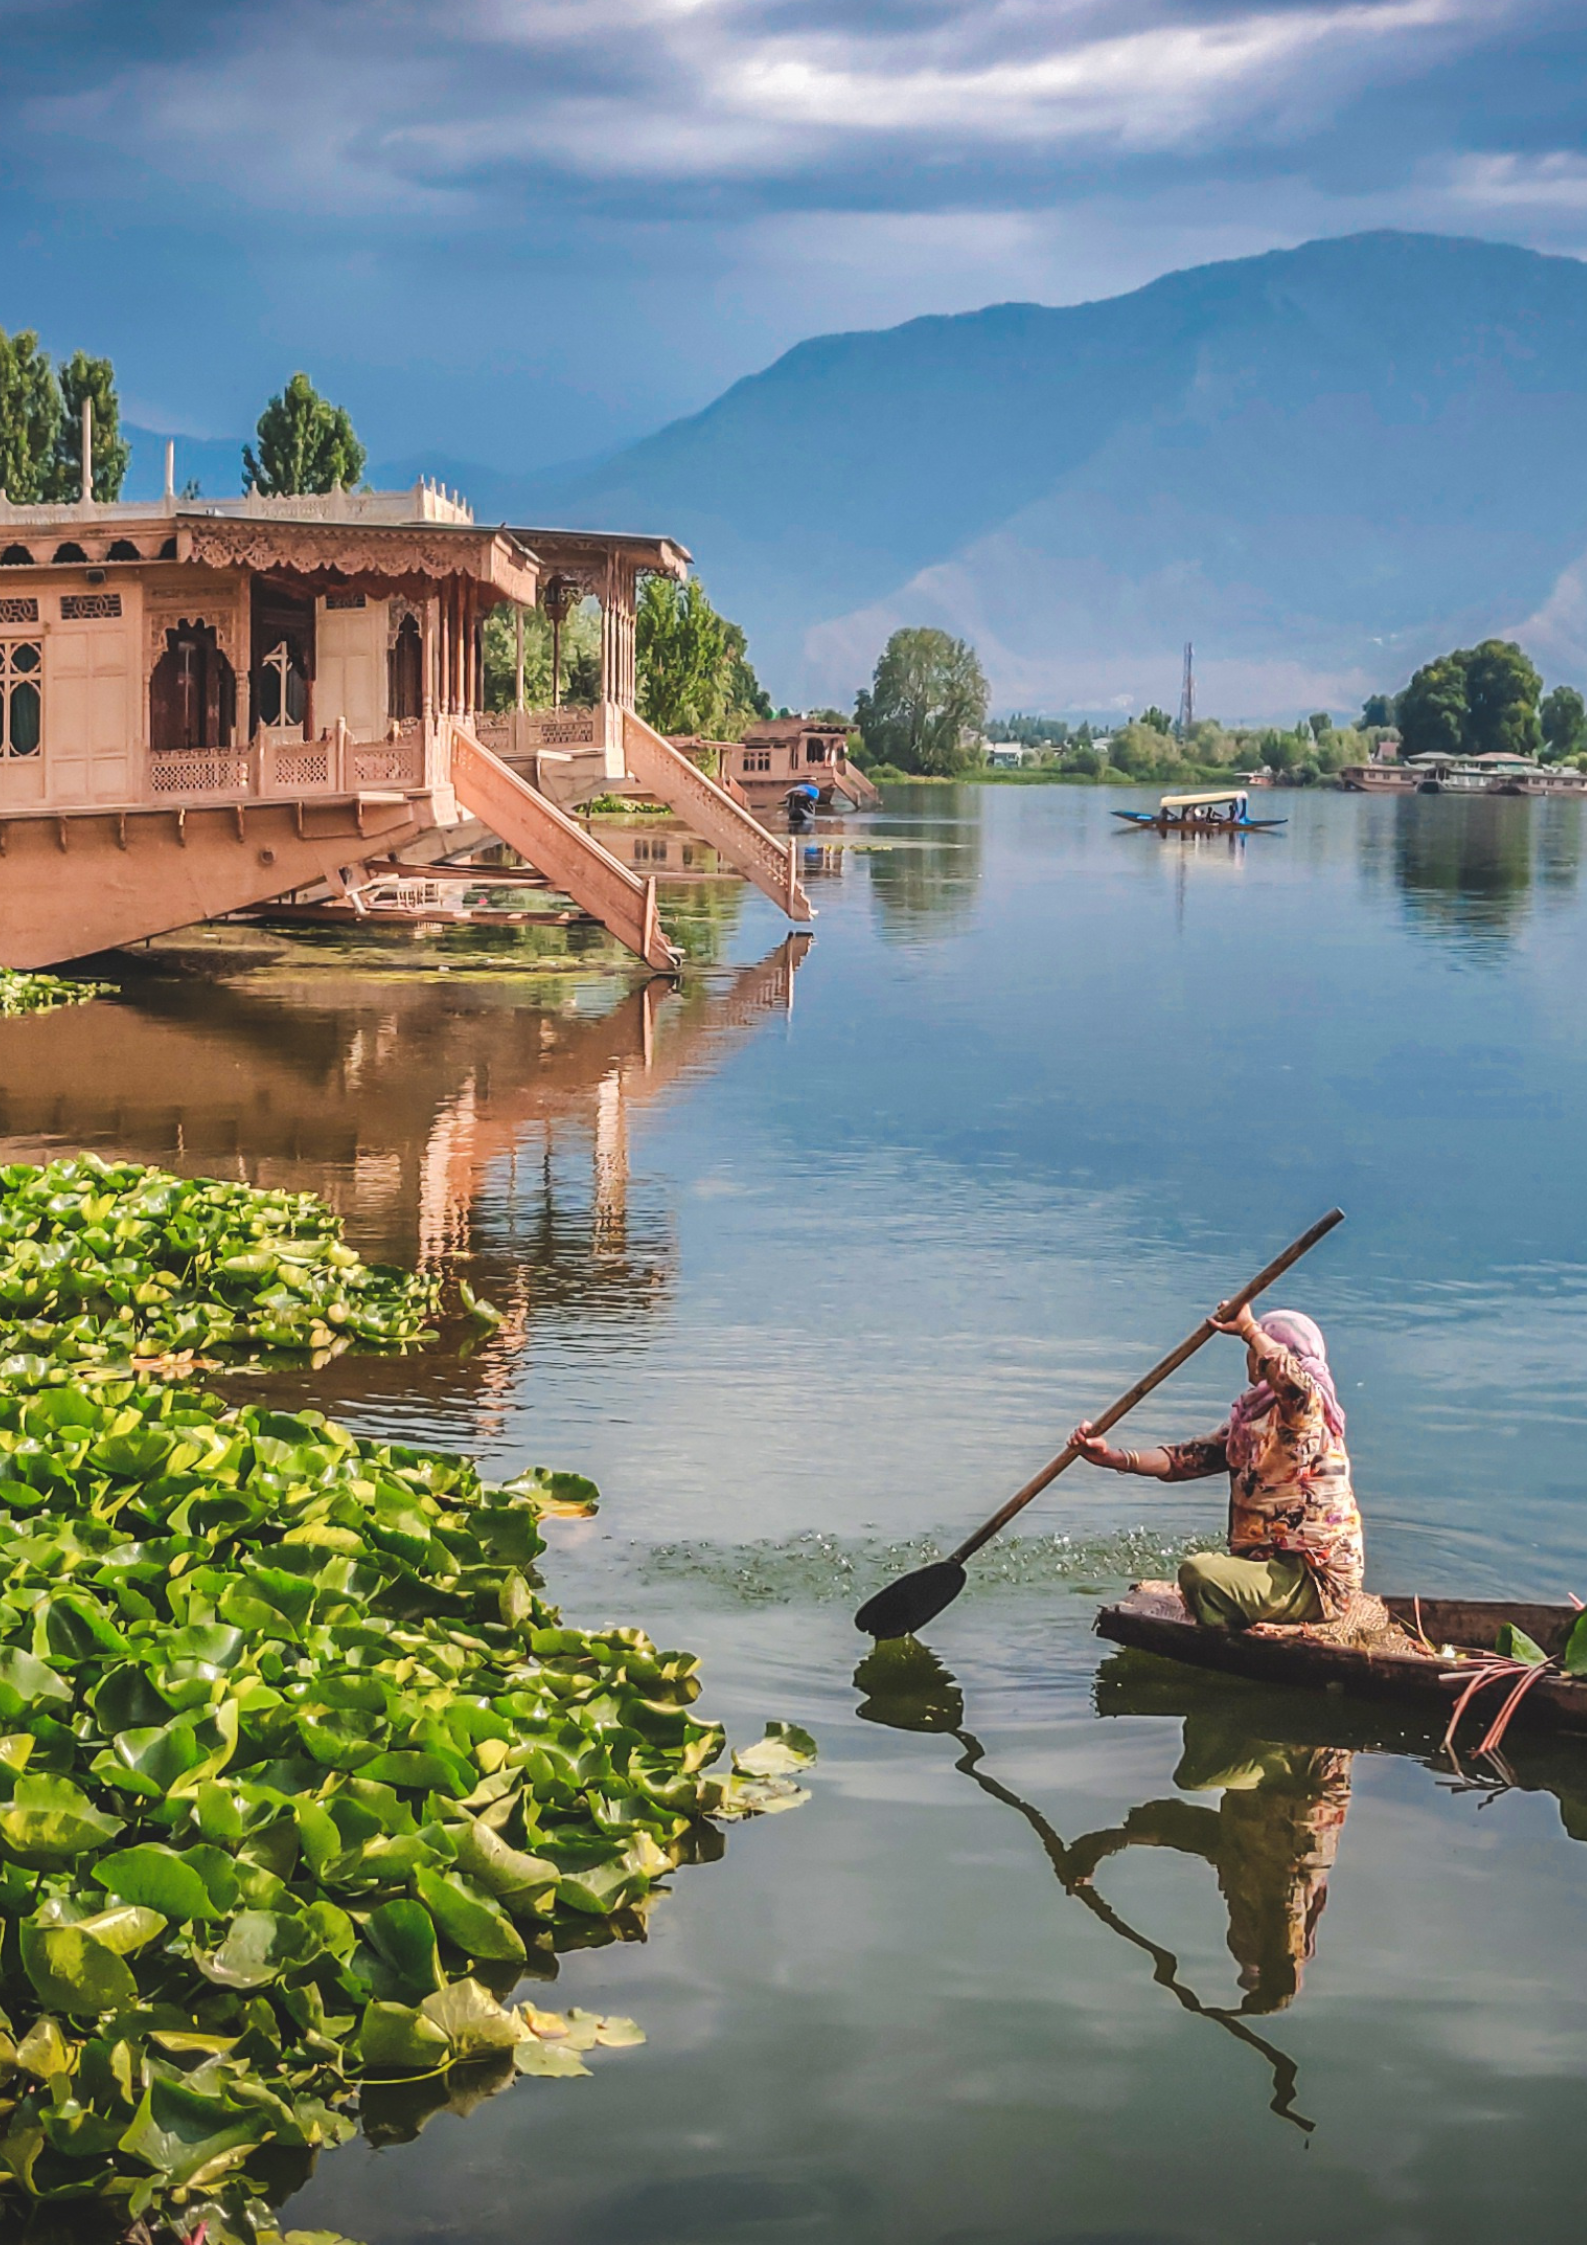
{"x": 1274, "y": 1656}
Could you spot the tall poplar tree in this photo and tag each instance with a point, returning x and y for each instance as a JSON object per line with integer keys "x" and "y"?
{"x": 30, "y": 418}
{"x": 305, "y": 444}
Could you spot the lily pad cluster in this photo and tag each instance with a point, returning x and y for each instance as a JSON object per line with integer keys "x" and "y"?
{"x": 43, "y": 993}
{"x": 299, "y": 1777}
{"x": 113, "y": 1262}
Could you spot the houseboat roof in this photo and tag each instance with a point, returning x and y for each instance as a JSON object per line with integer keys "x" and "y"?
{"x": 570, "y": 550}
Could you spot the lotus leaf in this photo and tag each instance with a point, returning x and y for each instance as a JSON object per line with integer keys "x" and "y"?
{"x": 784, "y": 1748}
{"x": 288, "y": 1732}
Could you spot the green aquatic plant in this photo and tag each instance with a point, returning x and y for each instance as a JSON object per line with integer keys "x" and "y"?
{"x": 299, "y": 1777}
{"x": 113, "y": 1262}
{"x": 43, "y": 993}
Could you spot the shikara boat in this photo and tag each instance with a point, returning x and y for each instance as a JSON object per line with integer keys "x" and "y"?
{"x": 1223, "y": 810}
{"x": 1451, "y": 1645}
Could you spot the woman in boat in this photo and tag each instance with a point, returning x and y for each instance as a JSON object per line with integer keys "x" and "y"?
{"x": 1295, "y": 1550}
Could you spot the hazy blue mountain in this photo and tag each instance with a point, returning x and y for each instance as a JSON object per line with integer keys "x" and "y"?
{"x": 1321, "y": 465}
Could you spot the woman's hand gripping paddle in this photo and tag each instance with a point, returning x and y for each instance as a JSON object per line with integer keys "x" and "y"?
{"x": 908, "y": 1604}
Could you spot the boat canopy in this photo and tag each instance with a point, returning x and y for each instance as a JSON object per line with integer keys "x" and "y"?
{"x": 1197, "y": 802}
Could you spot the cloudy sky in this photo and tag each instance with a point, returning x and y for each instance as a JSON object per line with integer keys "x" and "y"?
{"x": 524, "y": 230}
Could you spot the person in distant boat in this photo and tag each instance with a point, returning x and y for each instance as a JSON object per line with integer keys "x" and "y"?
{"x": 1295, "y": 1548}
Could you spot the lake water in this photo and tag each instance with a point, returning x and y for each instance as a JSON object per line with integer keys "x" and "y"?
{"x": 813, "y": 1263}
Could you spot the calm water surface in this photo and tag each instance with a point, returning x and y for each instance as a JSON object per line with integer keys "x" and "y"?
{"x": 809, "y": 1265}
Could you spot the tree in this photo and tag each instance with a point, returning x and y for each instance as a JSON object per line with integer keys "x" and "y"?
{"x": 926, "y": 706}
{"x": 1477, "y": 701}
{"x": 1158, "y": 719}
{"x": 1432, "y": 710}
{"x": 695, "y": 675}
{"x": 1318, "y": 724}
{"x": 92, "y": 381}
{"x": 1502, "y": 693}
{"x": 305, "y": 444}
{"x": 1564, "y": 724}
{"x": 30, "y": 418}
{"x": 1380, "y": 711}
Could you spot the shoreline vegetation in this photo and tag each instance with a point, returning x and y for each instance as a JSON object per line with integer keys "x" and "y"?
{"x": 301, "y": 1776}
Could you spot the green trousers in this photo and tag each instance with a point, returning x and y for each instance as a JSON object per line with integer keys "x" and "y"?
{"x": 1228, "y": 1593}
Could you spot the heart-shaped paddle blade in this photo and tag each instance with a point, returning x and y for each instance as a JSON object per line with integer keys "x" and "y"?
{"x": 908, "y": 1604}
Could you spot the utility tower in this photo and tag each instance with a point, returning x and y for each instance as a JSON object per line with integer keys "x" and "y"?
{"x": 1187, "y": 693}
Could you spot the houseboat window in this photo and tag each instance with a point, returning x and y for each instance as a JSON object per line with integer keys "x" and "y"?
{"x": 757, "y": 760}
{"x": 192, "y": 692}
{"x": 407, "y": 670}
{"x": 281, "y": 696}
{"x": 89, "y": 607}
{"x": 16, "y": 557}
{"x": 22, "y": 611}
{"x": 123, "y": 549}
{"x": 71, "y": 551}
{"x": 21, "y": 707}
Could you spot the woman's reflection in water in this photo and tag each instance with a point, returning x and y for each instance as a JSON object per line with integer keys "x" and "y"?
{"x": 1272, "y": 1840}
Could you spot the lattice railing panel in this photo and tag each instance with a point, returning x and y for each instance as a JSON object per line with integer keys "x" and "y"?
{"x": 207, "y": 771}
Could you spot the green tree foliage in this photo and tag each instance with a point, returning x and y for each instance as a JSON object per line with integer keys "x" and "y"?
{"x": 30, "y": 418}
{"x": 1433, "y": 710}
{"x": 1318, "y": 724}
{"x": 581, "y": 657}
{"x": 1477, "y": 701}
{"x": 305, "y": 444}
{"x": 1502, "y": 693}
{"x": 41, "y": 423}
{"x": 695, "y": 675}
{"x": 93, "y": 381}
{"x": 1380, "y": 711}
{"x": 926, "y": 705}
{"x": 1563, "y": 717}
{"x": 1158, "y": 719}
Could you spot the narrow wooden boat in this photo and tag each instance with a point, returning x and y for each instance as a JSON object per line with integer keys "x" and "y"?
{"x": 1153, "y": 1618}
{"x": 1222, "y": 810}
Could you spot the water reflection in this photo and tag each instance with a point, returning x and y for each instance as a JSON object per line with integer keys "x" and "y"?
{"x": 1282, "y": 1764}
{"x": 1469, "y": 869}
{"x": 926, "y": 883}
{"x": 906, "y": 1687}
{"x": 399, "y": 1100}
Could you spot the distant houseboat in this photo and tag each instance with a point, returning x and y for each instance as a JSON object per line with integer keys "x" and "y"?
{"x": 786, "y": 752}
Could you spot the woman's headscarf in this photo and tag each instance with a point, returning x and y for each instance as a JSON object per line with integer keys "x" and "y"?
{"x": 1304, "y": 1340}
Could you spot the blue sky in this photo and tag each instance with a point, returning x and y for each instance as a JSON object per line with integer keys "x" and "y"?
{"x": 524, "y": 230}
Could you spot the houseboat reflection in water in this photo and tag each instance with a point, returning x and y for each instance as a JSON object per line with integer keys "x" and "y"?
{"x": 468, "y": 1120}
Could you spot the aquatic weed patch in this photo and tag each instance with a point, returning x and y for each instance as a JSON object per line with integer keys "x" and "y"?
{"x": 299, "y": 1776}
{"x": 111, "y": 1262}
{"x": 42, "y": 993}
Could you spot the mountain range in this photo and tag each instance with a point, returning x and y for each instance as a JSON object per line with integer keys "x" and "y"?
{"x": 1321, "y": 466}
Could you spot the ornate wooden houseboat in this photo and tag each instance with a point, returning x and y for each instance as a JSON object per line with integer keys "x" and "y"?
{"x": 206, "y": 705}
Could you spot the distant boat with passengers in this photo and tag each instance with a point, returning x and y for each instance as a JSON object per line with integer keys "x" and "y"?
{"x": 1218, "y": 810}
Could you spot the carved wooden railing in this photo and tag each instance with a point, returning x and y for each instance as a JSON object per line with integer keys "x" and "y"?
{"x": 714, "y": 815}
{"x": 270, "y": 770}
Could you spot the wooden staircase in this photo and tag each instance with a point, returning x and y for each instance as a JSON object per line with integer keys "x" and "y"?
{"x": 570, "y": 858}
{"x": 728, "y": 825}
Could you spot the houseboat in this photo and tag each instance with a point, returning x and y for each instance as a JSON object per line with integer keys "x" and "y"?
{"x": 206, "y": 705}
{"x": 786, "y": 752}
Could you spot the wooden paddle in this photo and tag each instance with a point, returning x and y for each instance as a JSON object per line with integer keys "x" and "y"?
{"x": 908, "y": 1604}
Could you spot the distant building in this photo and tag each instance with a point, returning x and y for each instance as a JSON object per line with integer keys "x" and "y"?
{"x": 781, "y": 752}
{"x": 1004, "y": 756}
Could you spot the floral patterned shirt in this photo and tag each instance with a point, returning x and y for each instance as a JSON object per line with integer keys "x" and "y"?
{"x": 1293, "y": 1495}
